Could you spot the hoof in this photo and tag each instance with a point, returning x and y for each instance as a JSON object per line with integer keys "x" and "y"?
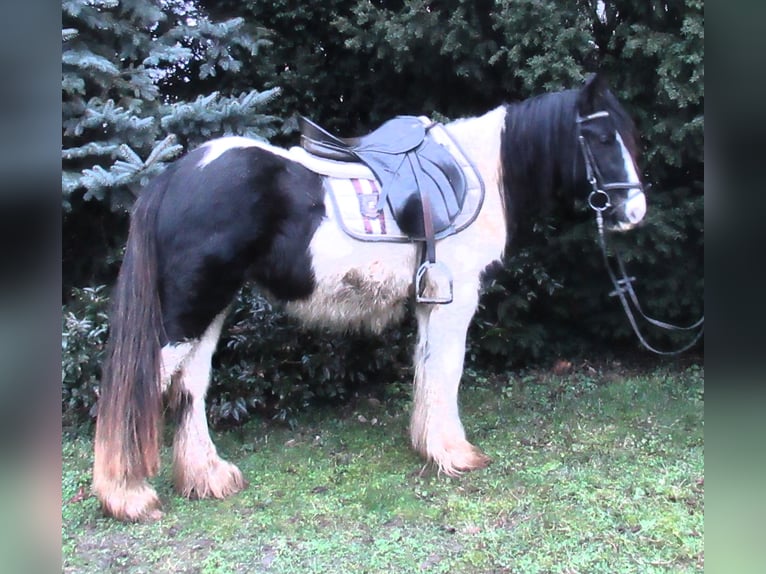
{"x": 456, "y": 459}
{"x": 129, "y": 502}
{"x": 217, "y": 479}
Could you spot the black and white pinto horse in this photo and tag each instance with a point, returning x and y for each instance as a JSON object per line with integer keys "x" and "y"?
{"x": 237, "y": 210}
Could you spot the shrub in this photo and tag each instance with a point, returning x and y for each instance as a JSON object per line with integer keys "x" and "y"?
{"x": 83, "y": 344}
{"x": 269, "y": 365}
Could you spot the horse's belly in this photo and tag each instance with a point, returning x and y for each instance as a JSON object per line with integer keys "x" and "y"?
{"x": 354, "y": 301}
{"x": 359, "y": 285}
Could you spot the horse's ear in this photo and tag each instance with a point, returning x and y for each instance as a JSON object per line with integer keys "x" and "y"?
{"x": 587, "y": 100}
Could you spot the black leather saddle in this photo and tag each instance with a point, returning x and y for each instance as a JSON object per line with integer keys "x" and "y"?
{"x": 410, "y": 166}
{"x": 421, "y": 180}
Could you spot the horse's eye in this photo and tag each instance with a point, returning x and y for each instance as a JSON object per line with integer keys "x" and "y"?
{"x": 606, "y": 138}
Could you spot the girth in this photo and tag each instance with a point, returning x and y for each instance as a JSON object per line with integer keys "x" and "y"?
{"x": 419, "y": 178}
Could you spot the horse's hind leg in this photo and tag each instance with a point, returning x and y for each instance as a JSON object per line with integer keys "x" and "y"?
{"x": 198, "y": 471}
{"x": 173, "y": 357}
{"x": 435, "y": 430}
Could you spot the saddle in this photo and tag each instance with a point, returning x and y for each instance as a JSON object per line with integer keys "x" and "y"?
{"x": 420, "y": 179}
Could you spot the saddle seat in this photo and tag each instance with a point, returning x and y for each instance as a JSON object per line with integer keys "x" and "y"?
{"x": 396, "y": 136}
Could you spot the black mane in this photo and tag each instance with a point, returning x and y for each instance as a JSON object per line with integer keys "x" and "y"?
{"x": 540, "y": 154}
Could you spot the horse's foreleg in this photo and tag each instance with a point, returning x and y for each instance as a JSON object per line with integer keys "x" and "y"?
{"x": 198, "y": 471}
{"x": 435, "y": 430}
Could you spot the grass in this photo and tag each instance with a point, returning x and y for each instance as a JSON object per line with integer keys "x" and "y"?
{"x": 594, "y": 471}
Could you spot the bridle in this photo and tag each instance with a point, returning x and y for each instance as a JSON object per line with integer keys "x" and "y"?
{"x": 599, "y": 201}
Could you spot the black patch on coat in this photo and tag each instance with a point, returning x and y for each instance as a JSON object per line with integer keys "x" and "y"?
{"x": 249, "y": 214}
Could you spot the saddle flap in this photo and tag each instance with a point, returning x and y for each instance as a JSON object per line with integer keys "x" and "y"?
{"x": 450, "y": 180}
{"x": 428, "y": 170}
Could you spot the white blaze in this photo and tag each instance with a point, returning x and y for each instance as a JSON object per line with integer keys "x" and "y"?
{"x": 635, "y": 204}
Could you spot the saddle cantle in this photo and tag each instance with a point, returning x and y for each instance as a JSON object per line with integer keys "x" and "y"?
{"x": 423, "y": 180}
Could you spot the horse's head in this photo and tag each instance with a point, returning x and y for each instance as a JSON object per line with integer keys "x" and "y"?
{"x": 608, "y": 143}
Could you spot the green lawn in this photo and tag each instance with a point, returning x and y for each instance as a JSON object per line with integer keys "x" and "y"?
{"x": 596, "y": 471}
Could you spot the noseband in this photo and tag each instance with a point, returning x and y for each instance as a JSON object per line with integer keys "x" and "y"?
{"x": 599, "y": 201}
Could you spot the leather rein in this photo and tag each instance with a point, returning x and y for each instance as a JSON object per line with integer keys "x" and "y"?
{"x": 599, "y": 201}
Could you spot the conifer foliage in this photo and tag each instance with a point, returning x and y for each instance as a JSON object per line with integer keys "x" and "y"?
{"x": 124, "y": 115}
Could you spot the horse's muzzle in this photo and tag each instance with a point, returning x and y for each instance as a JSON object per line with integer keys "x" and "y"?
{"x": 629, "y": 213}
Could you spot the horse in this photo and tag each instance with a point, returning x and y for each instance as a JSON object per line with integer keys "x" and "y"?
{"x": 237, "y": 209}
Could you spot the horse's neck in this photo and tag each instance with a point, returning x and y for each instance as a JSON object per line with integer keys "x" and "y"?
{"x": 480, "y": 139}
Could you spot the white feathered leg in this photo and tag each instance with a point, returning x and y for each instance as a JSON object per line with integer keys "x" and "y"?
{"x": 435, "y": 430}
{"x": 198, "y": 471}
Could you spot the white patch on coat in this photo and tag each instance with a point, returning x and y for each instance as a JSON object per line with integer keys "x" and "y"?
{"x": 360, "y": 286}
{"x": 630, "y": 167}
{"x": 436, "y": 430}
{"x": 173, "y": 357}
{"x": 197, "y": 367}
{"x": 217, "y": 147}
{"x": 635, "y": 206}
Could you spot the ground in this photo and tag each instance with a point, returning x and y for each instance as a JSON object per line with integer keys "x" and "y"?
{"x": 595, "y": 470}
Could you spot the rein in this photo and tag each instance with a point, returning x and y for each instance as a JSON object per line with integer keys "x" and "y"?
{"x": 599, "y": 201}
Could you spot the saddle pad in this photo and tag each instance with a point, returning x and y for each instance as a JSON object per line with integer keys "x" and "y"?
{"x": 353, "y": 192}
{"x": 354, "y": 203}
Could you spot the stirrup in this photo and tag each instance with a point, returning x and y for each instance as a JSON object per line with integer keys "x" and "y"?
{"x": 422, "y": 274}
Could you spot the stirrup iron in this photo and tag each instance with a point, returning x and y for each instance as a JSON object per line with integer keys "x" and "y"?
{"x": 421, "y": 282}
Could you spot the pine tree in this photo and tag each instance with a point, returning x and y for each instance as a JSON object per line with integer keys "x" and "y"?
{"x": 130, "y": 77}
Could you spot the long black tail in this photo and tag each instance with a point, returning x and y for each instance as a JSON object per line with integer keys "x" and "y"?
{"x": 129, "y": 424}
